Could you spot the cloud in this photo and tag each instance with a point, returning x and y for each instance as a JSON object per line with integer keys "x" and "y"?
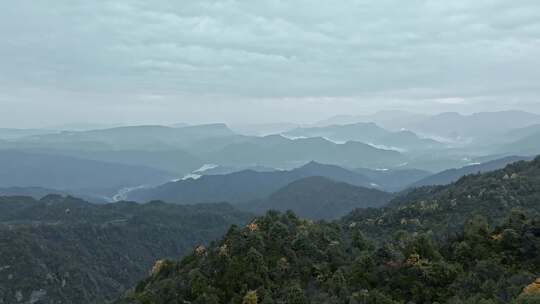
{"x": 273, "y": 49}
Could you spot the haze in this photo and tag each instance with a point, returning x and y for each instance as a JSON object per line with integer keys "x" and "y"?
{"x": 266, "y": 61}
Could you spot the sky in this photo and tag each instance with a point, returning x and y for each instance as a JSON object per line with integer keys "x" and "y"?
{"x": 195, "y": 61}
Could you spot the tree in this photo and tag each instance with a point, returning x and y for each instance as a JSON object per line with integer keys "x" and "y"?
{"x": 250, "y": 297}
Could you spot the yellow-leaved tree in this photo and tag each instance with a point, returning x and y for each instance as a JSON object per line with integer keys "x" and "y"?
{"x": 250, "y": 298}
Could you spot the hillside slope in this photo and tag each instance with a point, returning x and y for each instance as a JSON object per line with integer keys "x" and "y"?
{"x": 64, "y": 250}
{"x": 23, "y": 169}
{"x": 242, "y": 186}
{"x": 444, "y": 209}
{"x": 319, "y": 198}
{"x": 449, "y": 176}
{"x": 475, "y": 241}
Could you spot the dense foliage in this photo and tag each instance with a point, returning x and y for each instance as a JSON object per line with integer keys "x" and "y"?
{"x": 444, "y": 210}
{"x": 64, "y": 250}
{"x": 476, "y": 241}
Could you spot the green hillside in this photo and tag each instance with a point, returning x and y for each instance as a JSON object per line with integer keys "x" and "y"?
{"x": 475, "y": 241}
{"x": 64, "y": 250}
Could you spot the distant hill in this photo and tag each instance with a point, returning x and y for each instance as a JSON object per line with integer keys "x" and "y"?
{"x": 528, "y": 145}
{"x": 368, "y": 133}
{"x": 262, "y": 129}
{"x": 242, "y": 186}
{"x": 177, "y": 162}
{"x": 477, "y": 126}
{"x": 393, "y": 179}
{"x": 34, "y": 192}
{"x": 319, "y": 198}
{"x": 278, "y": 151}
{"x": 220, "y": 170}
{"x": 9, "y": 133}
{"x": 449, "y": 176}
{"x": 39, "y": 192}
{"x": 146, "y": 138}
{"x": 516, "y": 134}
{"x": 22, "y": 169}
{"x": 392, "y": 120}
{"x": 64, "y": 250}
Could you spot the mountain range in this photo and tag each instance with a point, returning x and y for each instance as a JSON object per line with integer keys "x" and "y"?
{"x": 475, "y": 126}
{"x": 278, "y": 151}
{"x": 454, "y": 128}
{"x": 368, "y": 133}
{"x": 243, "y": 186}
{"x": 130, "y": 137}
{"x": 63, "y": 173}
{"x": 184, "y": 149}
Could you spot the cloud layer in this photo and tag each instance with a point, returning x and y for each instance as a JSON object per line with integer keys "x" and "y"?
{"x": 176, "y": 60}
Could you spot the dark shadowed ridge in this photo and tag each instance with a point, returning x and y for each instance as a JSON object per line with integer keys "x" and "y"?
{"x": 319, "y": 198}
{"x": 244, "y": 185}
{"x": 449, "y": 176}
{"x": 22, "y": 169}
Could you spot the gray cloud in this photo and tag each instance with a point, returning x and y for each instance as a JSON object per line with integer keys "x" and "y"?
{"x": 172, "y": 60}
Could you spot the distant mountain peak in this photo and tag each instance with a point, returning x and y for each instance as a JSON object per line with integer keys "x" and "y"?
{"x": 312, "y": 164}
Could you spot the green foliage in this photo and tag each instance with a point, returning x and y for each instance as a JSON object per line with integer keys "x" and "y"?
{"x": 334, "y": 269}
{"x": 443, "y": 246}
{"x": 93, "y": 253}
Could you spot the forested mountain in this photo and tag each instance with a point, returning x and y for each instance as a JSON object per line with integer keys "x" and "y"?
{"x": 319, "y": 198}
{"x": 451, "y": 175}
{"x": 444, "y": 209}
{"x": 64, "y": 250}
{"x": 474, "y": 241}
{"x": 368, "y": 133}
{"x": 242, "y": 186}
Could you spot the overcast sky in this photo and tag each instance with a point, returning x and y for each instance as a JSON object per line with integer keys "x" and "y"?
{"x": 193, "y": 61}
